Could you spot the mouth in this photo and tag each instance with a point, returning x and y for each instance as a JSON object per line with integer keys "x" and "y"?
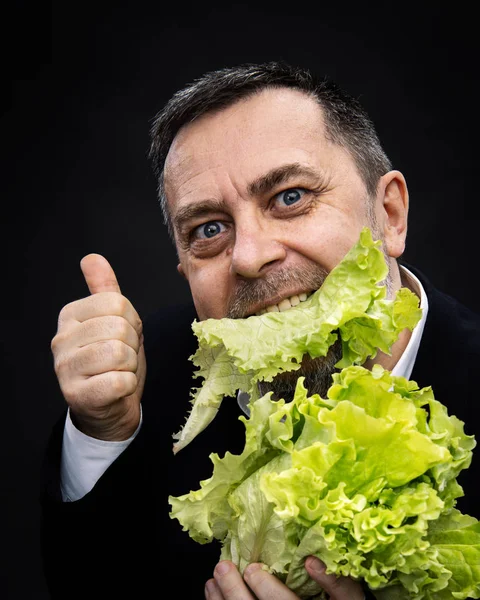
{"x": 284, "y": 304}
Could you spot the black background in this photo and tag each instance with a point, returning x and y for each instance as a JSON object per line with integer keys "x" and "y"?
{"x": 86, "y": 81}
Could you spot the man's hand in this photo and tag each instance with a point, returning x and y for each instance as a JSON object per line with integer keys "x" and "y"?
{"x": 99, "y": 357}
{"x": 256, "y": 583}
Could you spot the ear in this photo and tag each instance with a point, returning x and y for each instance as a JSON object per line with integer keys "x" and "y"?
{"x": 392, "y": 197}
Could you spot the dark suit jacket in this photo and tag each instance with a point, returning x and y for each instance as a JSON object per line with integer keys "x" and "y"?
{"x": 119, "y": 541}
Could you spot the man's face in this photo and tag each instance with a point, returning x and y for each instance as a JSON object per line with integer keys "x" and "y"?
{"x": 263, "y": 204}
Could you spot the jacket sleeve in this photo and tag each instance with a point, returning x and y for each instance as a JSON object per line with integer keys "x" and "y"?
{"x": 100, "y": 545}
{"x": 118, "y": 541}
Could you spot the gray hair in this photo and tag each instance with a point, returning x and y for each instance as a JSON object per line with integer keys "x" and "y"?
{"x": 346, "y": 121}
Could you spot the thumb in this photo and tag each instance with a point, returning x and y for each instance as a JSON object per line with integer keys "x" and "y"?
{"x": 99, "y": 275}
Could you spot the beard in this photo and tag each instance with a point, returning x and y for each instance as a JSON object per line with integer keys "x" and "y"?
{"x": 317, "y": 372}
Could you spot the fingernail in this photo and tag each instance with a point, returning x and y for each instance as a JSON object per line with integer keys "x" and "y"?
{"x": 316, "y": 565}
{"x": 251, "y": 569}
{"x": 222, "y": 568}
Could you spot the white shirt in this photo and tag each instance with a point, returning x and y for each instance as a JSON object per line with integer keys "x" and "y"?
{"x": 85, "y": 459}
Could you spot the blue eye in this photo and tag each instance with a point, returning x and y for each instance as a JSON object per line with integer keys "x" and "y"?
{"x": 209, "y": 230}
{"x": 289, "y": 197}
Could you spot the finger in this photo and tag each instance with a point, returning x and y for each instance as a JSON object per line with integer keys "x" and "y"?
{"x": 266, "y": 586}
{"x": 100, "y": 329}
{"x": 212, "y": 591}
{"x": 102, "y": 357}
{"x": 100, "y": 391}
{"x": 99, "y": 275}
{"x": 100, "y": 305}
{"x": 230, "y": 582}
{"x": 338, "y": 588}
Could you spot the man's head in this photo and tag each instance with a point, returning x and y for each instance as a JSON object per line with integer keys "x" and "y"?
{"x": 346, "y": 122}
{"x": 266, "y": 178}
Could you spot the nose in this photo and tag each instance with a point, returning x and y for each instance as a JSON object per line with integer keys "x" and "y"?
{"x": 256, "y": 250}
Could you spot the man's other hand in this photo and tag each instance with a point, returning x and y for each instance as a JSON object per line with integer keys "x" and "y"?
{"x": 228, "y": 584}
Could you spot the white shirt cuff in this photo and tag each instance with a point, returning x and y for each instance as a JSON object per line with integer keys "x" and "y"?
{"x": 85, "y": 459}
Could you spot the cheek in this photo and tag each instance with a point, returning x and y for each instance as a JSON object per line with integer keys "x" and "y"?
{"x": 209, "y": 288}
{"x": 327, "y": 246}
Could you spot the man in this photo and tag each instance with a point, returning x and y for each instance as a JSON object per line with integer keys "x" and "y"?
{"x": 266, "y": 178}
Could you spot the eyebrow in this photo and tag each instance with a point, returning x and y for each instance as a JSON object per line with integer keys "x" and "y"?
{"x": 280, "y": 175}
{"x": 197, "y": 210}
{"x": 260, "y": 186}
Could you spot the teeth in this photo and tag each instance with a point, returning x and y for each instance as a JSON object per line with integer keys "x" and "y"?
{"x": 294, "y": 300}
{"x": 284, "y": 304}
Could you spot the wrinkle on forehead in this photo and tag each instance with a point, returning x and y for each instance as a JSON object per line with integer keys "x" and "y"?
{"x": 219, "y": 182}
{"x": 282, "y": 122}
{"x": 183, "y": 167}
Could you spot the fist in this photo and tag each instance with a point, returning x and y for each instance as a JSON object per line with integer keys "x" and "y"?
{"x": 99, "y": 358}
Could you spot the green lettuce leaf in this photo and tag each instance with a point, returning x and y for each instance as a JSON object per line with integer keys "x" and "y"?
{"x": 234, "y": 354}
{"x": 454, "y": 549}
{"x": 359, "y": 479}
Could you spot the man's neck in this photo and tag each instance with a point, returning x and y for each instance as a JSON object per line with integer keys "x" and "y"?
{"x": 389, "y": 361}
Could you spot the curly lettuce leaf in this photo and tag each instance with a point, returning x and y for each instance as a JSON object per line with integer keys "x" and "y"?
{"x": 234, "y": 354}
{"x": 454, "y": 549}
{"x": 206, "y": 513}
{"x": 365, "y": 479}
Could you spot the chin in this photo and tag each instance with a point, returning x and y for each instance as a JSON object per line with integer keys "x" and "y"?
{"x": 317, "y": 372}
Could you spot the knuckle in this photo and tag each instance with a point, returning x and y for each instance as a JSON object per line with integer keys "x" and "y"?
{"x": 123, "y": 383}
{"x": 120, "y": 303}
{"x": 55, "y": 343}
{"x": 123, "y": 328}
{"x": 231, "y": 588}
{"x": 65, "y": 312}
{"x": 117, "y": 384}
{"x": 131, "y": 380}
{"x": 114, "y": 327}
{"x": 61, "y": 366}
{"x": 65, "y": 365}
{"x": 261, "y": 582}
{"x": 118, "y": 352}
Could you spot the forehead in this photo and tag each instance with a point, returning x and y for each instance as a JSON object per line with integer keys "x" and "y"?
{"x": 247, "y": 135}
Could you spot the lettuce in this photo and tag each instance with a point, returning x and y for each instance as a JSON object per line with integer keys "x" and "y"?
{"x": 235, "y": 354}
{"x": 365, "y": 478}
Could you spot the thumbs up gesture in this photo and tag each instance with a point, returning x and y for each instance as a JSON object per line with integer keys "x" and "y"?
{"x": 99, "y": 357}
